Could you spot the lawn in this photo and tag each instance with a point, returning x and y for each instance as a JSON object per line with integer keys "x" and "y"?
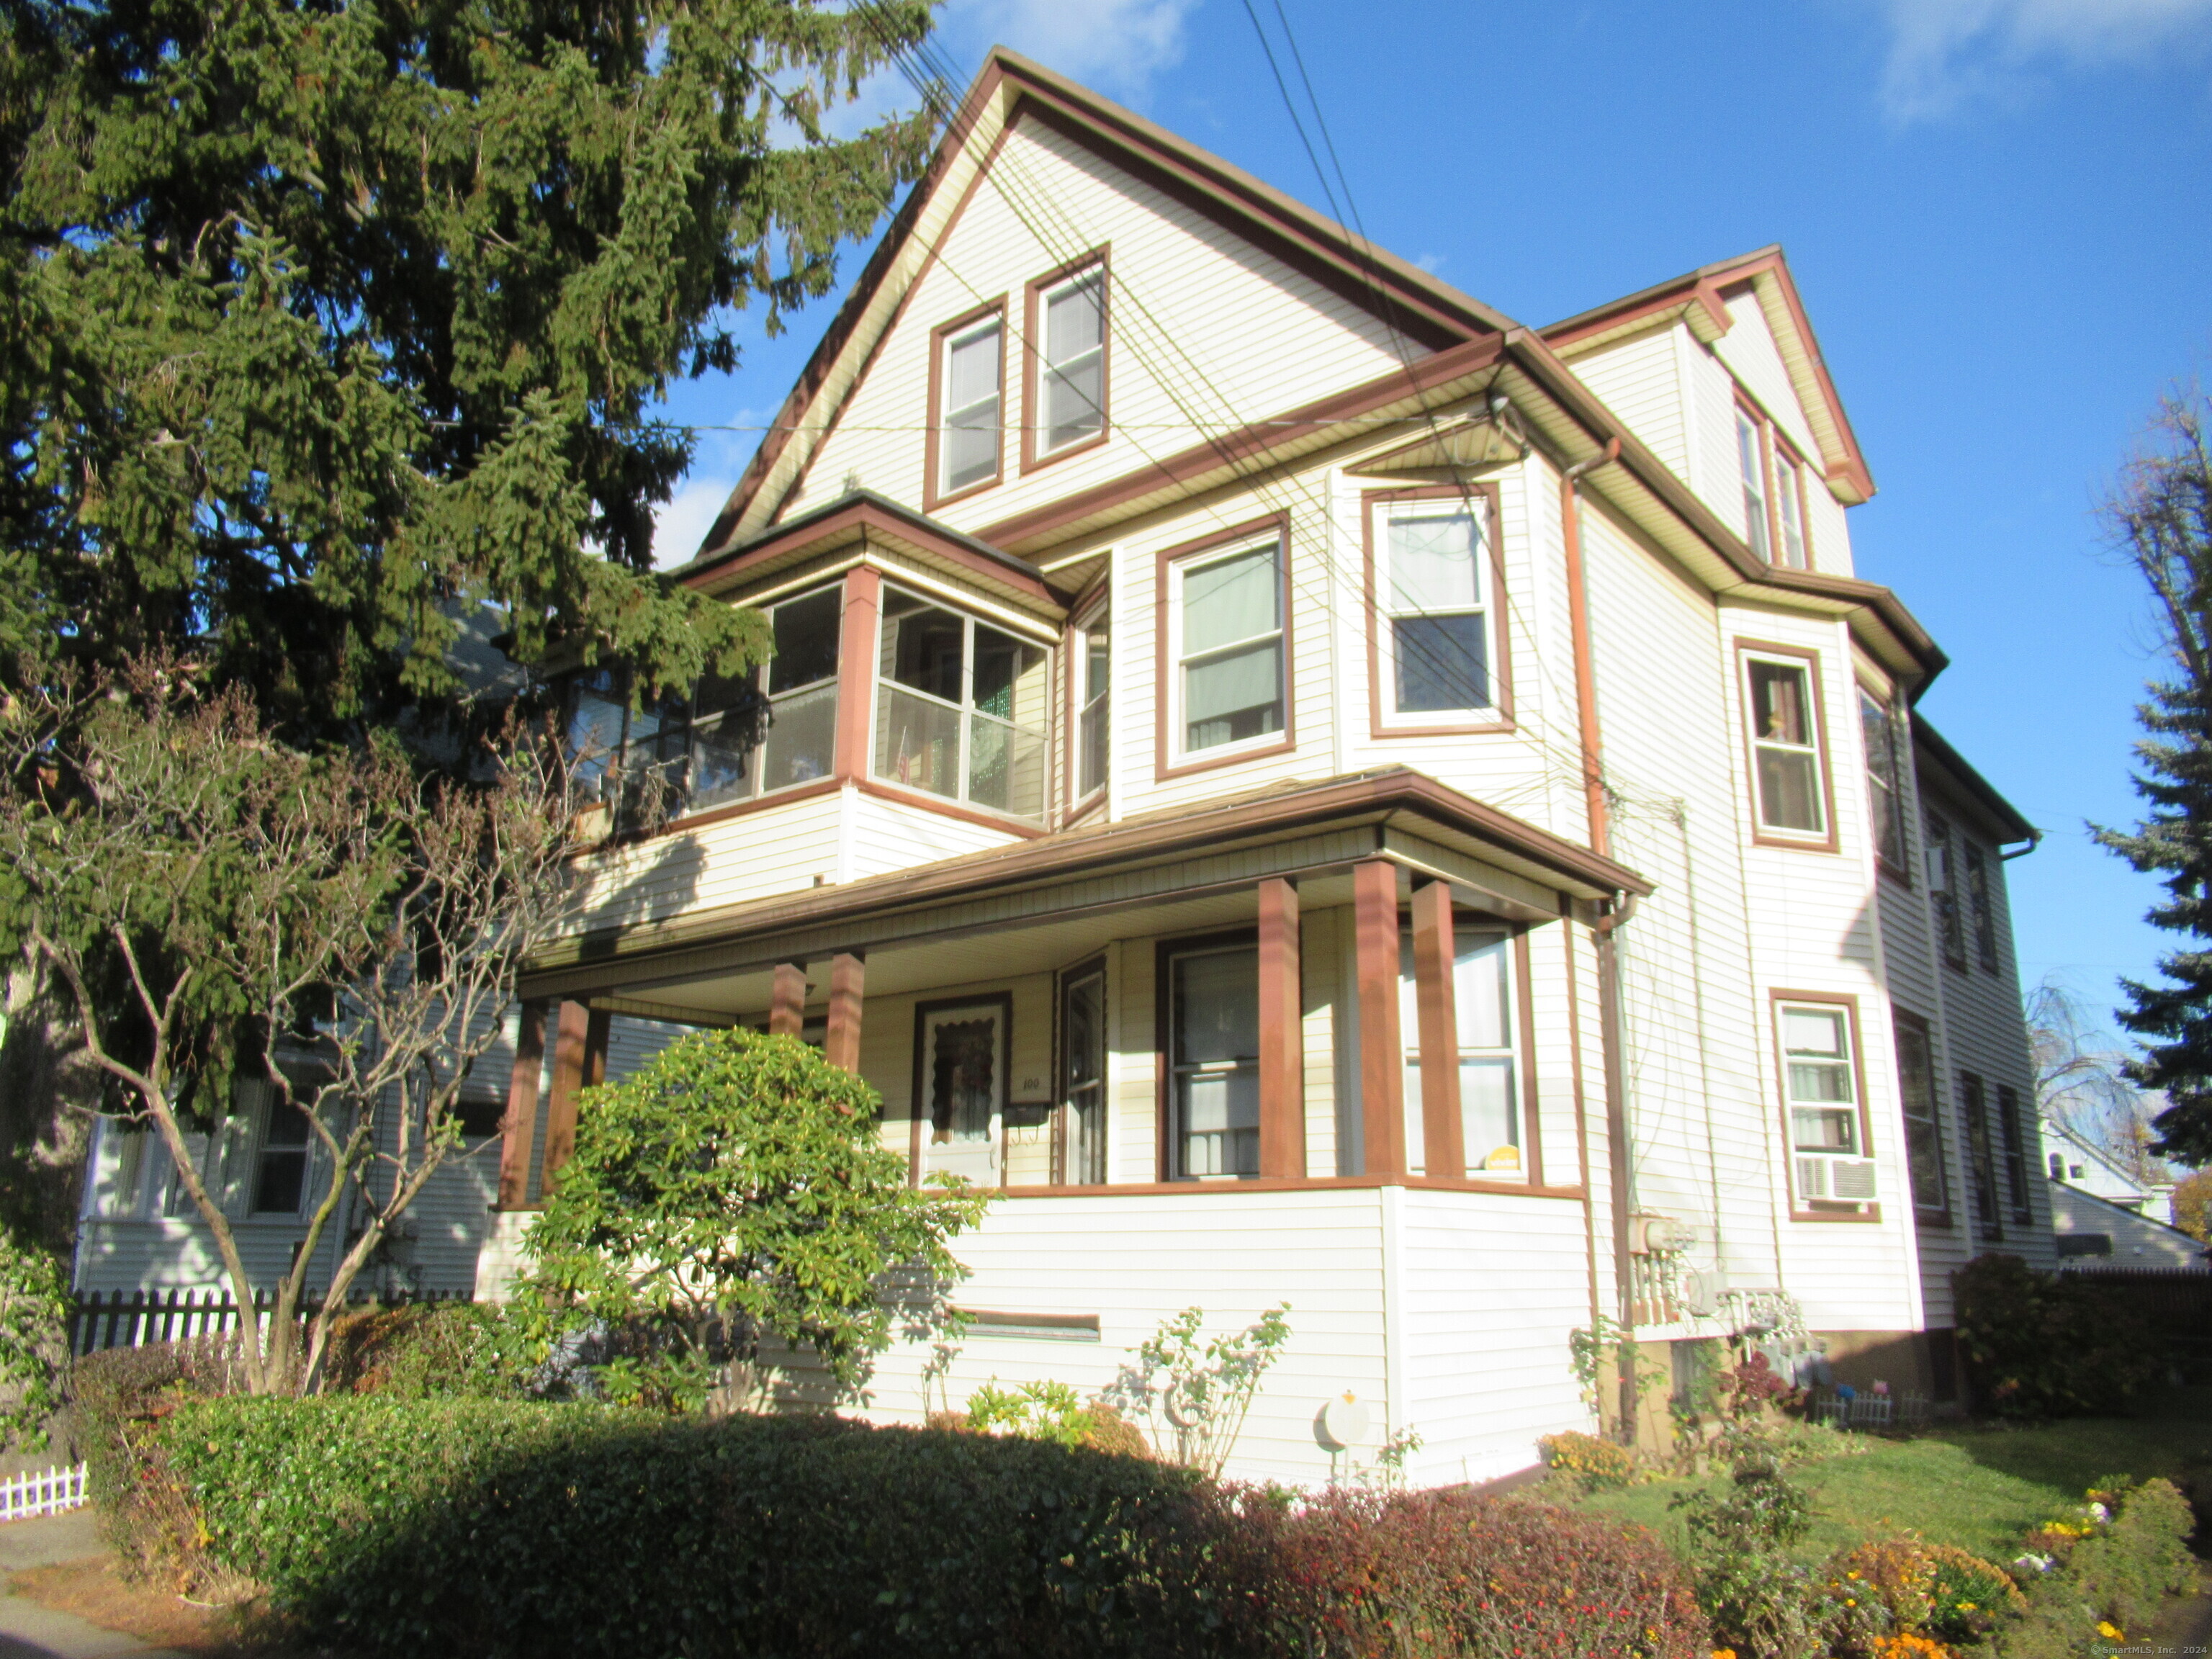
{"x": 1978, "y": 1487}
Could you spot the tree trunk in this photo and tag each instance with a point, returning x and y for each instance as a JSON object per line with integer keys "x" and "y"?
{"x": 49, "y": 1089}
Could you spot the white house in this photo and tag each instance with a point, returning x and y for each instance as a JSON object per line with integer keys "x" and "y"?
{"x": 1317, "y": 792}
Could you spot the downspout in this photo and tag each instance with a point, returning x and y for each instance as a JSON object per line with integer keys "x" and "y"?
{"x": 1603, "y": 930}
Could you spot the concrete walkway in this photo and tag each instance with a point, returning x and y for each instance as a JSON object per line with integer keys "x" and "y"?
{"x": 29, "y": 1630}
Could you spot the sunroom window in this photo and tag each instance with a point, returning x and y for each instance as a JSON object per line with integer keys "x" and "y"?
{"x": 1482, "y": 1002}
{"x": 960, "y": 708}
{"x": 728, "y": 740}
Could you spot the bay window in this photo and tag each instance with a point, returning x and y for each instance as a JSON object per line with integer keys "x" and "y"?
{"x": 1789, "y": 792}
{"x": 1070, "y": 342}
{"x": 1436, "y": 631}
{"x": 1482, "y": 1004}
{"x": 960, "y": 708}
{"x": 1226, "y": 615}
{"x": 970, "y": 401}
{"x": 1831, "y": 1161}
{"x": 1885, "y": 770}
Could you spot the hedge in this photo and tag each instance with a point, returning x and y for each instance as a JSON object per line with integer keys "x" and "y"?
{"x": 497, "y": 1528}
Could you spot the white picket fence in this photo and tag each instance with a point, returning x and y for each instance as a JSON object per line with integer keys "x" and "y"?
{"x": 34, "y": 1494}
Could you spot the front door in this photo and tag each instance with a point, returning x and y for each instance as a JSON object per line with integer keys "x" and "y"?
{"x": 963, "y": 1089}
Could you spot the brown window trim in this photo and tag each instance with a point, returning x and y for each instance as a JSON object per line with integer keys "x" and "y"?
{"x": 932, "y": 498}
{"x": 1822, "y": 1209}
{"x": 1902, "y": 876}
{"x": 1532, "y": 1123}
{"x": 1164, "y": 694}
{"x": 1063, "y": 1118}
{"x": 1099, "y": 595}
{"x": 1101, "y": 258}
{"x": 1761, "y": 835}
{"x": 1380, "y": 726}
{"x": 1163, "y": 1061}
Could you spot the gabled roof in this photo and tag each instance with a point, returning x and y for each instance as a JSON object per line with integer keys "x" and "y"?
{"x": 1699, "y": 298}
{"x": 1431, "y": 312}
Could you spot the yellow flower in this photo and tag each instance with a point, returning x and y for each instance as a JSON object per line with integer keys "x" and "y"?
{"x": 2109, "y": 1632}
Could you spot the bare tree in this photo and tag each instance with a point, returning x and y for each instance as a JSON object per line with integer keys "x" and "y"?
{"x": 340, "y": 925}
{"x": 2081, "y": 1083}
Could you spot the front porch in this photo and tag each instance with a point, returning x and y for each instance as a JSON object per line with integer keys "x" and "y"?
{"x": 1322, "y": 1045}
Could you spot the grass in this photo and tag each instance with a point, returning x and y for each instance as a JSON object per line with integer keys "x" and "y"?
{"x": 1978, "y": 1487}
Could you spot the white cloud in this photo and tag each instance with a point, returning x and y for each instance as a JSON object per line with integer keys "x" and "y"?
{"x": 685, "y": 517}
{"x": 1115, "y": 45}
{"x": 1944, "y": 53}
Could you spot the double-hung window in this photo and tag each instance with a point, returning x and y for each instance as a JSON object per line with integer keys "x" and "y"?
{"x": 2014, "y": 1146}
{"x": 1750, "y": 463}
{"x": 1819, "y": 1083}
{"x": 1943, "y": 888}
{"x": 1094, "y": 641}
{"x": 960, "y": 708}
{"x": 1981, "y": 1155}
{"x": 1070, "y": 342}
{"x": 1080, "y": 1146}
{"x": 1482, "y": 1005}
{"x": 1922, "y": 1094}
{"x": 1213, "y": 1062}
{"x": 1437, "y": 611}
{"x": 1789, "y": 788}
{"x": 1790, "y": 510}
{"x": 1982, "y": 903}
{"x": 1885, "y": 772}
{"x": 971, "y": 399}
{"x": 1227, "y": 640}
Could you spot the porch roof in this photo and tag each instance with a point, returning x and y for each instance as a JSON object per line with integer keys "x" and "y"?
{"x": 1496, "y": 861}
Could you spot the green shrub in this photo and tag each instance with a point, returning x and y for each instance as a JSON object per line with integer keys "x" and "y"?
{"x": 1371, "y": 1575}
{"x": 441, "y": 1351}
{"x": 2044, "y": 1345}
{"x": 507, "y": 1528}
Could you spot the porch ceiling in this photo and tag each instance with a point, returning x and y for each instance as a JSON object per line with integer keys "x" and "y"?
{"x": 1157, "y": 864}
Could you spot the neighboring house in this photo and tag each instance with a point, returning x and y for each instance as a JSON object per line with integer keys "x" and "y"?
{"x": 2106, "y": 1216}
{"x": 1320, "y": 793}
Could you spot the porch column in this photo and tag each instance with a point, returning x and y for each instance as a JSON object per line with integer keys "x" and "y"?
{"x": 572, "y": 1049}
{"x": 856, "y": 668}
{"x": 1381, "y": 1050}
{"x": 786, "y": 1013}
{"x": 1443, "y": 1152}
{"x": 1282, "y": 1034}
{"x": 847, "y": 976}
{"x": 519, "y": 1128}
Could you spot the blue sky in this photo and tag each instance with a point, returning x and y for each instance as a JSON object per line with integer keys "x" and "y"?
{"x": 1996, "y": 210}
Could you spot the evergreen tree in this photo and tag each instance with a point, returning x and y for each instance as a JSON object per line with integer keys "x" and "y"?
{"x": 2161, "y": 517}
{"x": 319, "y": 316}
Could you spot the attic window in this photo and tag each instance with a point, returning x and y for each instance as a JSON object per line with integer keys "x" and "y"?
{"x": 1070, "y": 342}
{"x": 970, "y": 401}
{"x": 1773, "y": 478}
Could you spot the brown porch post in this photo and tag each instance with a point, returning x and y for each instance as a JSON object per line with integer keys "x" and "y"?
{"x": 786, "y": 1013}
{"x": 856, "y": 668}
{"x": 572, "y": 1045}
{"x": 848, "y": 977}
{"x": 1381, "y": 1050}
{"x": 1443, "y": 1152}
{"x": 1282, "y": 1034}
{"x": 519, "y": 1128}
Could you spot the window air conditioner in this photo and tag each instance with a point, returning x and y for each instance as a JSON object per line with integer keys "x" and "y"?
{"x": 1848, "y": 1180}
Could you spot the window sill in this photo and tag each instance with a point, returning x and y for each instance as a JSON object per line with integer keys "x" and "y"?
{"x": 1397, "y": 725}
{"x": 1208, "y": 760}
{"x": 1762, "y": 837}
{"x": 1849, "y": 1214}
